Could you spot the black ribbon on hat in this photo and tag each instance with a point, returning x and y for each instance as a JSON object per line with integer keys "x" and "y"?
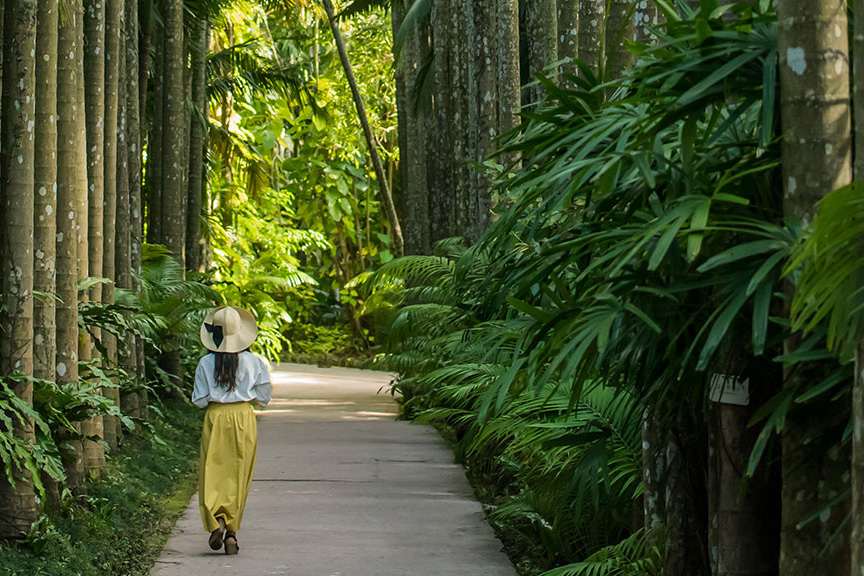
{"x": 216, "y": 331}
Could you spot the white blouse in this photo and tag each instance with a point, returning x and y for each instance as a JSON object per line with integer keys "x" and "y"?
{"x": 253, "y": 382}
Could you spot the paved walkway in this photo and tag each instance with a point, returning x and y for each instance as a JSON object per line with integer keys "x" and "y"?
{"x": 342, "y": 489}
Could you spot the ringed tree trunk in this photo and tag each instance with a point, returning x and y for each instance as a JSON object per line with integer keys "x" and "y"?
{"x": 857, "y": 522}
{"x": 113, "y": 58}
{"x": 71, "y": 174}
{"x": 619, "y": 29}
{"x": 123, "y": 236}
{"x": 134, "y": 402}
{"x": 174, "y": 148}
{"x": 568, "y": 39}
{"x": 592, "y": 37}
{"x": 542, "y": 24}
{"x": 93, "y": 451}
{"x": 413, "y": 157}
{"x": 173, "y": 141}
{"x": 18, "y": 505}
{"x": 485, "y": 57}
{"x": 197, "y": 138}
{"x": 441, "y": 183}
{"x": 509, "y": 85}
{"x": 386, "y": 197}
{"x": 816, "y": 154}
{"x": 45, "y": 224}
{"x": 155, "y": 148}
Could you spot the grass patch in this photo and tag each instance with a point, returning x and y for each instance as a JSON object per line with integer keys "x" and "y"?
{"x": 121, "y": 525}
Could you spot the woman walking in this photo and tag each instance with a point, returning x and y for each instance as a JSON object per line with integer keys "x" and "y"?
{"x": 228, "y": 382}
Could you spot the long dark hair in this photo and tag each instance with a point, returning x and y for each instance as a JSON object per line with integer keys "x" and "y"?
{"x": 226, "y": 370}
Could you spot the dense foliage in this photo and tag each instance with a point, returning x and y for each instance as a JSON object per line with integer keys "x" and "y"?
{"x": 640, "y": 250}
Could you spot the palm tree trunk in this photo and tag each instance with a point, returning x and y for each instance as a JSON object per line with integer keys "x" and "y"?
{"x": 197, "y": 137}
{"x": 619, "y": 29}
{"x": 441, "y": 184}
{"x": 386, "y": 197}
{"x": 857, "y": 521}
{"x": 18, "y": 505}
{"x": 645, "y": 17}
{"x": 71, "y": 173}
{"x": 541, "y": 21}
{"x": 509, "y": 84}
{"x": 113, "y": 59}
{"x": 592, "y": 26}
{"x": 413, "y": 157}
{"x": 173, "y": 141}
{"x": 568, "y": 38}
{"x": 486, "y": 98}
{"x": 816, "y": 154}
{"x": 93, "y": 451}
{"x": 44, "y": 239}
{"x": 155, "y": 150}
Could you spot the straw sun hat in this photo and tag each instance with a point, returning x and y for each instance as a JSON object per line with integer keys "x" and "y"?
{"x": 228, "y": 329}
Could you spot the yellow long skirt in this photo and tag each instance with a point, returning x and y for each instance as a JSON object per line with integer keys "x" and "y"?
{"x": 229, "y": 447}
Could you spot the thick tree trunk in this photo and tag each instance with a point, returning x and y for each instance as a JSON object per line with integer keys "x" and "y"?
{"x": 541, "y": 20}
{"x": 93, "y": 451}
{"x": 173, "y": 141}
{"x": 619, "y": 29}
{"x": 816, "y": 153}
{"x": 44, "y": 239}
{"x": 197, "y": 137}
{"x": 592, "y": 38}
{"x": 568, "y": 39}
{"x": 386, "y": 197}
{"x": 18, "y": 505}
{"x": 94, "y": 92}
{"x": 442, "y": 166}
{"x": 71, "y": 173}
{"x": 114, "y": 58}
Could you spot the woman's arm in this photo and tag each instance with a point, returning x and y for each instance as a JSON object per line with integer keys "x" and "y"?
{"x": 201, "y": 391}
{"x": 262, "y": 389}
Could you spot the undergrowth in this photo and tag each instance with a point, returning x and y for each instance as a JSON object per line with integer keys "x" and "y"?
{"x": 120, "y": 526}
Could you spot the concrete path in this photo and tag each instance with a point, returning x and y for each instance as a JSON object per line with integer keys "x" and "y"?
{"x": 343, "y": 489}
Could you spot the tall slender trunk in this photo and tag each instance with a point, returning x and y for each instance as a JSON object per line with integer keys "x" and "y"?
{"x": 816, "y": 154}
{"x": 134, "y": 99}
{"x": 441, "y": 177}
{"x": 93, "y": 451}
{"x": 541, "y": 20}
{"x": 197, "y": 137}
{"x": 71, "y": 173}
{"x": 857, "y": 522}
{"x": 123, "y": 234}
{"x": 173, "y": 141}
{"x": 386, "y": 196}
{"x": 114, "y": 57}
{"x": 509, "y": 84}
{"x": 619, "y": 29}
{"x": 568, "y": 38}
{"x": 645, "y": 18}
{"x": 18, "y": 505}
{"x": 45, "y": 224}
{"x": 485, "y": 101}
{"x": 592, "y": 37}
{"x": 155, "y": 148}
{"x": 464, "y": 114}
{"x": 413, "y": 157}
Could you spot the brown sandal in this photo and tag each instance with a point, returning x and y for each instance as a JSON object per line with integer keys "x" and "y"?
{"x": 217, "y": 536}
{"x": 231, "y": 545}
